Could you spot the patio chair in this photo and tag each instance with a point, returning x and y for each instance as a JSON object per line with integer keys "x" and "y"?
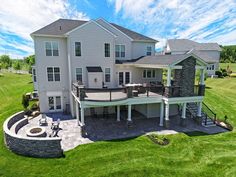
{"x": 43, "y": 120}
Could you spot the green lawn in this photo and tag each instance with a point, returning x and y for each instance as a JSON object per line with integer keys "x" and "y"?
{"x": 206, "y": 155}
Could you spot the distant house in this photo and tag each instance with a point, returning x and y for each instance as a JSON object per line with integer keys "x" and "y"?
{"x": 92, "y": 68}
{"x": 209, "y": 52}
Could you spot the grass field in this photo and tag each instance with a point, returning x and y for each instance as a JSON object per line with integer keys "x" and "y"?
{"x": 211, "y": 155}
{"x": 231, "y": 65}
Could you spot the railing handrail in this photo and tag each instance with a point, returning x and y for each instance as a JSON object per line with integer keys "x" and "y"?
{"x": 208, "y": 108}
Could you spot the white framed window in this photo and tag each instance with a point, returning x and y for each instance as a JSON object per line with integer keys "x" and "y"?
{"x": 54, "y": 103}
{"x": 211, "y": 67}
{"x": 120, "y": 51}
{"x": 79, "y": 74}
{"x": 77, "y": 49}
{"x": 34, "y": 74}
{"x": 107, "y": 75}
{"x": 124, "y": 77}
{"x": 107, "y": 49}
{"x": 53, "y": 74}
{"x": 52, "y": 48}
{"x": 149, "y": 73}
{"x": 149, "y": 50}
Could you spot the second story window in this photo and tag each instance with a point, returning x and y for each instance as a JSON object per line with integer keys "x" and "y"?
{"x": 79, "y": 75}
{"x": 53, "y": 74}
{"x": 78, "y": 49}
{"x": 34, "y": 75}
{"x": 107, "y": 49}
{"x": 149, "y": 50}
{"x": 120, "y": 51}
{"x": 52, "y": 48}
{"x": 107, "y": 75}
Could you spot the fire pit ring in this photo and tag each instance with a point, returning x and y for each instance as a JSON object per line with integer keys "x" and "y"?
{"x": 36, "y": 132}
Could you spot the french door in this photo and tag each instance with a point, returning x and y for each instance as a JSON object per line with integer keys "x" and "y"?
{"x": 124, "y": 78}
{"x": 54, "y": 103}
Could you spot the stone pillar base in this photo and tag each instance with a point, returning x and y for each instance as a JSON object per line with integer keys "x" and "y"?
{"x": 198, "y": 119}
{"x": 183, "y": 122}
{"x": 83, "y": 132}
{"x": 129, "y": 123}
{"x": 167, "y": 123}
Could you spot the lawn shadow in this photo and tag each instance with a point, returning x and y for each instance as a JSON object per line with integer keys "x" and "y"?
{"x": 208, "y": 87}
{"x": 30, "y": 82}
{"x": 196, "y": 133}
{"x": 123, "y": 139}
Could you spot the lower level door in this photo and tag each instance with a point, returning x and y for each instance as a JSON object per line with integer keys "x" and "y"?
{"x": 124, "y": 78}
{"x": 54, "y": 103}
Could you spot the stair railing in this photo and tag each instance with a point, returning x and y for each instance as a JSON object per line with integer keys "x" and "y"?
{"x": 209, "y": 113}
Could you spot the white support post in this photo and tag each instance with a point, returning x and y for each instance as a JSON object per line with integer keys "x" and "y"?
{"x": 161, "y": 113}
{"x": 118, "y": 113}
{"x": 199, "y": 109}
{"x": 82, "y": 116}
{"x": 168, "y": 83}
{"x": 77, "y": 111}
{"x": 129, "y": 113}
{"x": 202, "y": 82}
{"x": 72, "y": 106}
{"x": 184, "y": 111}
{"x": 167, "y": 112}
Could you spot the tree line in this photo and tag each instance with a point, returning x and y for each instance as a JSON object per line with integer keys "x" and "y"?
{"x": 26, "y": 64}
{"x": 228, "y": 54}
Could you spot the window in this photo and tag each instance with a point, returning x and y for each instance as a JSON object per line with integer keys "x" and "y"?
{"x": 34, "y": 75}
{"x": 149, "y": 50}
{"x": 107, "y": 75}
{"x": 127, "y": 77}
{"x": 79, "y": 75}
{"x": 77, "y": 49}
{"x": 52, "y": 49}
{"x": 148, "y": 73}
{"x": 107, "y": 49}
{"x": 51, "y": 103}
{"x": 120, "y": 51}
{"x": 124, "y": 78}
{"x": 53, "y": 73}
{"x": 211, "y": 67}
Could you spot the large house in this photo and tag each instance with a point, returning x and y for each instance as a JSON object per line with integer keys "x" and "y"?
{"x": 209, "y": 52}
{"x": 89, "y": 68}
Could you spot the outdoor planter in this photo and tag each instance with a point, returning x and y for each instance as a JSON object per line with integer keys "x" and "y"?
{"x": 158, "y": 139}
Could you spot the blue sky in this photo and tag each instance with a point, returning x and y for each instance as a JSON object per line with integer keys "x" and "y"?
{"x": 203, "y": 20}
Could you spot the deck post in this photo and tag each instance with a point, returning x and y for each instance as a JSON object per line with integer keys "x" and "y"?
{"x": 129, "y": 113}
{"x": 161, "y": 113}
{"x": 168, "y": 84}
{"x": 183, "y": 116}
{"x": 202, "y": 77}
{"x": 118, "y": 113}
{"x": 199, "y": 109}
{"x": 167, "y": 121}
{"x": 77, "y": 111}
{"x": 82, "y": 116}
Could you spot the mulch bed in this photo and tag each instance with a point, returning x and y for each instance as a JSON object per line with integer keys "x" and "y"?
{"x": 158, "y": 139}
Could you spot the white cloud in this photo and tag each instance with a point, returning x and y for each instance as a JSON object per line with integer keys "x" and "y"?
{"x": 195, "y": 20}
{"x": 22, "y": 17}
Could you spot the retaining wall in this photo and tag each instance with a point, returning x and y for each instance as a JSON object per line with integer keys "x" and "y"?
{"x": 29, "y": 146}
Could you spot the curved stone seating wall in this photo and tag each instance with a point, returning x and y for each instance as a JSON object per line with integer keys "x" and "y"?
{"x": 29, "y": 146}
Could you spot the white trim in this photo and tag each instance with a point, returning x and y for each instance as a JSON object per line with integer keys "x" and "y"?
{"x": 177, "y": 100}
{"x": 47, "y": 35}
{"x": 114, "y": 27}
{"x": 87, "y": 23}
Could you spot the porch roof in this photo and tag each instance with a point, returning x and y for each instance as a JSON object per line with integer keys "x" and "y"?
{"x": 162, "y": 61}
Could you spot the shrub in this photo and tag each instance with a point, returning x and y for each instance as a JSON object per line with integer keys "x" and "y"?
{"x": 224, "y": 72}
{"x": 219, "y": 74}
{"x": 25, "y": 101}
{"x": 34, "y": 107}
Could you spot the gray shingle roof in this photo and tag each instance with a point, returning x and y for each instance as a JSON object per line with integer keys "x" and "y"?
{"x": 162, "y": 60}
{"x": 59, "y": 27}
{"x": 95, "y": 69}
{"x": 62, "y": 26}
{"x": 187, "y": 45}
{"x": 208, "y": 58}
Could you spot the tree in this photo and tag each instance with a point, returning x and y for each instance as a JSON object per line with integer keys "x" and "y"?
{"x": 16, "y": 65}
{"x": 25, "y": 101}
{"x": 30, "y": 60}
{"x": 6, "y": 61}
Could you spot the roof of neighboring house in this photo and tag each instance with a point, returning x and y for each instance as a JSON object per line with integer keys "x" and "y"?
{"x": 62, "y": 26}
{"x": 161, "y": 60}
{"x": 94, "y": 69}
{"x": 208, "y": 58}
{"x": 187, "y": 45}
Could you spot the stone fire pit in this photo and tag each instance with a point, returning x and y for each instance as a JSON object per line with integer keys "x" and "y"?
{"x": 36, "y": 132}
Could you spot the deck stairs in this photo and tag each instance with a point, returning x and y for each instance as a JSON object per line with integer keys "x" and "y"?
{"x": 208, "y": 116}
